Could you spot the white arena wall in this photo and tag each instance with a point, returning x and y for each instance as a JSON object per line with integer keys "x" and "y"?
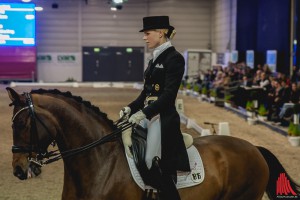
{"x": 62, "y": 32}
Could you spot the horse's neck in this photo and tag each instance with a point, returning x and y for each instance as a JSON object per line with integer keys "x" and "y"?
{"x": 92, "y": 173}
{"x": 91, "y": 170}
{"x": 78, "y": 127}
{"x": 75, "y": 125}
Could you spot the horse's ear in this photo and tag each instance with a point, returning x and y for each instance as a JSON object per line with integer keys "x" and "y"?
{"x": 13, "y": 95}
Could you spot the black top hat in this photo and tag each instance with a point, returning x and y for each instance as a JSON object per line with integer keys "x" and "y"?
{"x": 156, "y": 22}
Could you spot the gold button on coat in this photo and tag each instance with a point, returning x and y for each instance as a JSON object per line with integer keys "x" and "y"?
{"x": 156, "y": 87}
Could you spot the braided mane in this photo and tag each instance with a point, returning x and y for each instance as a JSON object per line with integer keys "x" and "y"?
{"x": 79, "y": 100}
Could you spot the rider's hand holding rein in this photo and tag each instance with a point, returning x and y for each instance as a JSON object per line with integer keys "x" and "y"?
{"x": 137, "y": 117}
{"x": 126, "y": 134}
{"x": 125, "y": 112}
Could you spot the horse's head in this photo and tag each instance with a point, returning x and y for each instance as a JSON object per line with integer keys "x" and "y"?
{"x": 31, "y": 136}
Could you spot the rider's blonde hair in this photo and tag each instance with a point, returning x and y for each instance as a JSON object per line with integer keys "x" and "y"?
{"x": 168, "y": 34}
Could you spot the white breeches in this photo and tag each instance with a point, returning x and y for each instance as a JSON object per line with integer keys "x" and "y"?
{"x": 153, "y": 147}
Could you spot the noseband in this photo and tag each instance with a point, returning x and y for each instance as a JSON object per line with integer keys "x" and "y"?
{"x": 43, "y": 156}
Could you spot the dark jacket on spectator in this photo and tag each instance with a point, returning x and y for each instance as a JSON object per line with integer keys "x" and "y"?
{"x": 294, "y": 96}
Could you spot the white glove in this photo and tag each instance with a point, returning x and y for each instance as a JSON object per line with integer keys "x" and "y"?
{"x": 137, "y": 117}
{"x": 127, "y": 142}
{"x": 125, "y": 112}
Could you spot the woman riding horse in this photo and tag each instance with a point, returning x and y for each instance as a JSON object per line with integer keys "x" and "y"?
{"x": 155, "y": 107}
{"x": 95, "y": 170}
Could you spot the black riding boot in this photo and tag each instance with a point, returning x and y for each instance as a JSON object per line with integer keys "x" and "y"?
{"x": 167, "y": 186}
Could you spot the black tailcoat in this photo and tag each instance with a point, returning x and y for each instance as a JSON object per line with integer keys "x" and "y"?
{"x": 162, "y": 79}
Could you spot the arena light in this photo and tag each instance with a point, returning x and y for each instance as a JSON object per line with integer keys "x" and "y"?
{"x": 38, "y": 8}
{"x": 26, "y": 1}
{"x": 118, "y": 1}
{"x": 116, "y": 4}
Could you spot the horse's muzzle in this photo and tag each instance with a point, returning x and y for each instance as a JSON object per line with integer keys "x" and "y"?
{"x": 32, "y": 171}
{"x": 18, "y": 172}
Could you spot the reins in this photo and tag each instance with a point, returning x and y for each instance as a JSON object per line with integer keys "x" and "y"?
{"x": 113, "y": 136}
{"x": 121, "y": 125}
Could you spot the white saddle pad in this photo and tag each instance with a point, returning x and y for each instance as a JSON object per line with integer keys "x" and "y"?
{"x": 184, "y": 179}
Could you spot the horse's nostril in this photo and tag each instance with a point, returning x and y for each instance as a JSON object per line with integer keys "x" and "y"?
{"x": 20, "y": 173}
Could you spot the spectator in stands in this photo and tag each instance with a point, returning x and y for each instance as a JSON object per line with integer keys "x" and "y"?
{"x": 275, "y": 101}
{"x": 264, "y": 81}
{"x": 218, "y": 80}
{"x": 219, "y": 68}
{"x": 270, "y": 93}
{"x": 238, "y": 76}
{"x": 294, "y": 94}
{"x": 286, "y": 90}
{"x": 258, "y": 67}
{"x": 246, "y": 82}
{"x": 200, "y": 78}
{"x": 208, "y": 79}
{"x": 295, "y": 75}
{"x": 267, "y": 69}
{"x": 257, "y": 77}
{"x": 227, "y": 80}
{"x": 287, "y": 109}
{"x": 232, "y": 72}
{"x": 239, "y": 92}
{"x": 281, "y": 77}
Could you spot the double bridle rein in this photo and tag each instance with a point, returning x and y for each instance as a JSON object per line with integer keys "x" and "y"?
{"x": 44, "y": 157}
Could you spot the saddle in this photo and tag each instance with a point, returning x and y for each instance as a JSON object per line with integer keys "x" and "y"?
{"x": 154, "y": 183}
{"x": 139, "y": 140}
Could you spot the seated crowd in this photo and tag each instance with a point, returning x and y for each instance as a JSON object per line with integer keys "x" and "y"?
{"x": 276, "y": 92}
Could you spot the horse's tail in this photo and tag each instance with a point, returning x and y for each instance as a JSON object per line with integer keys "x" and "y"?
{"x": 280, "y": 183}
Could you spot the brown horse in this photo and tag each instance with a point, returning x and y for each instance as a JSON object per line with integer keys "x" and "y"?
{"x": 234, "y": 168}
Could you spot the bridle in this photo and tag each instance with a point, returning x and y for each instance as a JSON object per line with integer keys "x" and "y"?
{"x": 44, "y": 157}
{"x": 40, "y": 153}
